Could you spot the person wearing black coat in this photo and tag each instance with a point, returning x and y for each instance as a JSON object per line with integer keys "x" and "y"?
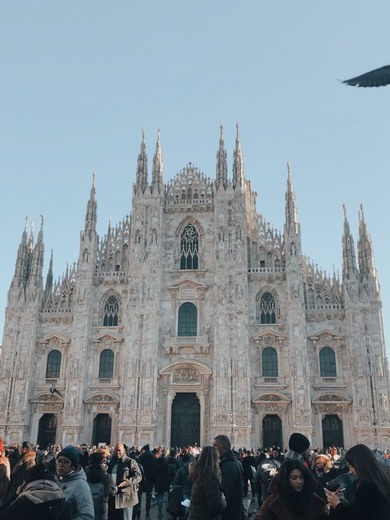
{"x": 372, "y": 491}
{"x": 161, "y": 479}
{"x": 39, "y": 498}
{"x": 232, "y": 478}
{"x": 96, "y": 474}
{"x": 148, "y": 462}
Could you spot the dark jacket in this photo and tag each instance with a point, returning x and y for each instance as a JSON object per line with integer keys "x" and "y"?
{"x": 206, "y": 501}
{"x": 369, "y": 504}
{"x": 231, "y": 485}
{"x": 161, "y": 477}
{"x": 181, "y": 479}
{"x": 41, "y": 499}
{"x": 277, "y": 507}
{"x": 97, "y": 474}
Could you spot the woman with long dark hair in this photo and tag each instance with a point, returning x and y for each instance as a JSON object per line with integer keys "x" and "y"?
{"x": 372, "y": 492}
{"x": 292, "y": 495}
{"x": 207, "y": 501}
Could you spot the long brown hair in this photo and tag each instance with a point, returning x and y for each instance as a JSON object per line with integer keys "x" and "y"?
{"x": 206, "y": 466}
{"x": 368, "y": 468}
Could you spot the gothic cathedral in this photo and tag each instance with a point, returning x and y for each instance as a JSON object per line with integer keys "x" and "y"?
{"x": 194, "y": 317}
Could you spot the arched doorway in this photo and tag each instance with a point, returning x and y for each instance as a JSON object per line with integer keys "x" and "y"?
{"x": 47, "y": 430}
{"x": 185, "y": 425}
{"x": 272, "y": 431}
{"x": 332, "y": 431}
{"x": 101, "y": 429}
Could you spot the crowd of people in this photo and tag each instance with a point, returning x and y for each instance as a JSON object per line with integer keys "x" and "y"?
{"x": 114, "y": 482}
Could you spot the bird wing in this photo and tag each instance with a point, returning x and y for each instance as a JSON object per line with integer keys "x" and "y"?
{"x": 375, "y": 78}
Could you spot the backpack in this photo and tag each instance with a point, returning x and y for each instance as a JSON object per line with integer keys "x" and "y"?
{"x": 97, "y": 491}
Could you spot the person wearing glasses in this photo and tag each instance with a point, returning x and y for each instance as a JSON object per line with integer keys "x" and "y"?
{"x": 73, "y": 482}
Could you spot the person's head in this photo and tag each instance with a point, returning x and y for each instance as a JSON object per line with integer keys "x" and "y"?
{"x": 97, "y": 457}
{"x": 322, "y": 462}
{"x": 105, "y": 453}
{"x": 25, "y": 447}
{"x": 67, "y": 461}
{"x": 119, "y": 450}
{"x": 223, "y": 445}
{"x": 38, "y": 472}
{"x": 293, "y": 475}
{"x": 365, "y": 466}
{"x": 275, "y": 452}
{"x": 207, "y": 465}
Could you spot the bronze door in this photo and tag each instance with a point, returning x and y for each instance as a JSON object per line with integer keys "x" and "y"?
{"x": 185, "y": 426}
{"x": 47, "y": 430}
{"x": 332, "y": 431}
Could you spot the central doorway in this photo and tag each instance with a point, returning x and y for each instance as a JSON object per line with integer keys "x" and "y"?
{"x": 332, "y": 431}
{"x": 47, "y": 430}
{"x": 185, "y": 425}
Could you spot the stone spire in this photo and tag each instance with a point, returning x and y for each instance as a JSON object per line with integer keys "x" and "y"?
{"x": 142, "y": 168}
{"x": 365, "y": 252}
{"x": 91, "y": 213}
{"x": 222, "y": 169}
{"x": 292, "y": 224}
{"x": 349, "y": 255}
{"x": 238, "y": 162}
{"x": 49, "y": 277}
{"x": 157, "y": 174}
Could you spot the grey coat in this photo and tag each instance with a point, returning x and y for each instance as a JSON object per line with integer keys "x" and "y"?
{"x": 78, "y": 497}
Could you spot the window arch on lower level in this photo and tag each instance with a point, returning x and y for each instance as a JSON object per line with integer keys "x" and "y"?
{"x": 106, "y": 364}
{"x": 53, "y": 366}
{"x": 187, "y": 322}
{"x": 269, "y": 363}
{"x": 327, "y": 362}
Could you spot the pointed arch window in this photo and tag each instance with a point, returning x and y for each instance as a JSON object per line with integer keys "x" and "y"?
{"x": 111, "y": 310}
{"x": 269, "y": 362}
{"x": 106, "y": 364}
{"x": 327, "y": 362}
{"x": 187, "y": 320}
{"x": 53, "y": 366}
{"x": 266, "y": 308}
{"x": 189, "y": 248}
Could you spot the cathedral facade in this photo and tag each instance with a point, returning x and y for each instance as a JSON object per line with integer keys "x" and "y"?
{"x": 194, "y": 317}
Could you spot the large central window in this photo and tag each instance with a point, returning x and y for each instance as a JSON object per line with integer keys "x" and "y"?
{"x": 187, "y": 320}
{"x": 189, "y": 248}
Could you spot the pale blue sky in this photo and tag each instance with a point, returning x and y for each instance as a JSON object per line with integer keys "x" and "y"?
{"x": 80, "y": 79}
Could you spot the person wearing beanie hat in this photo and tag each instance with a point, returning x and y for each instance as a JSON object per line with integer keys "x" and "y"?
{"x": 146, "y": 447}
{"x": 323, "y": 471}
{"x": 298, "y": 445}
{"x": 72, "y": 480}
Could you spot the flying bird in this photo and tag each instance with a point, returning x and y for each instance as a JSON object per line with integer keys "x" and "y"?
{"x": 53, "y": 390}
{"x": 375, "y": 78}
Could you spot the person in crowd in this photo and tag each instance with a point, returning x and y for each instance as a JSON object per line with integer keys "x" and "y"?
{"x": 161, "y": 479}
{"x": 84, "y": 456}
{"x": 269, "y": 469}
{"x": 72, "y": 480}
{"x": 5, "y": 472}
{"x": 207, "y": 501}
{"x": 100, "y": 483}
{"x": 372, "y": 492}
{"x": 148, "y": 462}
{"x": 292, "y": 495}
{"x": 25, "y": 462}
{"x": 298, "y": 448}
{"x": 126, "y": 475}
{"x": 232, "y": 476}
{"x": 13, "y": 454}
{"x": 324, "y": 471}
{"x": 260, "y": 460}
{"x": 182, "y": 476}
{"x": 248, "y": 465}
{"x": 39, "y": 497}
